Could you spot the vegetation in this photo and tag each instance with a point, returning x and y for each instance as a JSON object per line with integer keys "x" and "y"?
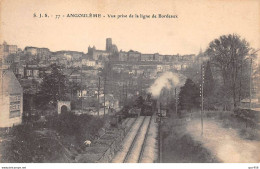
{"x": 189, "y": 97}
{"x": 208, "y": 88}
{"x": 226, "y": 73}
{"x": 180, "y": 147}
{"x": 228, "y": 55}
{"x": 56, "y": 140}
{"x": 53, "y": 88}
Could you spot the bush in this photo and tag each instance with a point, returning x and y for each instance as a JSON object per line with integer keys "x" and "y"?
{"x": 47, "y": 141}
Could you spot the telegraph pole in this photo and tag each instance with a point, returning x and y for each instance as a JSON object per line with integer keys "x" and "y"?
{"x": 123, "y": 94}
{"x": 141, "y": 91}
{"x": 250, "y": 85}
{"x": 126, "y": 93}
{"x": 81, "y": 89}
{"x": 98, "y": 93}
{"x": 71, "y": 90}
{"x": 201, "y": 94}
{"x": 176, "y": 101}
{"x": 105, "y": 95}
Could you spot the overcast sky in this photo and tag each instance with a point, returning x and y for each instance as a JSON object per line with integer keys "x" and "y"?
{"x": 198, "y": 23}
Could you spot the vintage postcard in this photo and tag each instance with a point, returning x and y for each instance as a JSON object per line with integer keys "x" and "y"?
{"x": 108, "y": 81}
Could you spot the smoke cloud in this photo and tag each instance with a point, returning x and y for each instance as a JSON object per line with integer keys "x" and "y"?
{"x": 225, "y": 144}
{"x": 167, "y": 80}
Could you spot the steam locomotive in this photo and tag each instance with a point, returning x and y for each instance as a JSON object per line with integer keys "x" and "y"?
{"x": 143, "y": 107}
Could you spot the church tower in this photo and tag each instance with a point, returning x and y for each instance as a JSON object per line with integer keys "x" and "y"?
{"x": 108, "y": 44}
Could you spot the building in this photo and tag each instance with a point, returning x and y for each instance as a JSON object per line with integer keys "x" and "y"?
{"x": 75, "y": 77}
{"x": 7, "y": 54}
{"x": 100, "y": 55}
{"x": 30, "y": 50}
{"x": 166, "y": 68}
{"x": 82, "y": 93}
{"x": 245, "y": 103}
{"x": 11, "y": 101}
{"x": 158, "y": 57}
{"x": 108, "y": 44}
{"x": 89, "y": 63}
{"x": 134, "y": 56}
{"x": 43, "y": 51}
{"x": 123, "y": 56}
{"x": 18, "y": 70}
{"x": 67, "y": 57}
{"x": 147, "y": 57}
{"x": 159, "y": 68}
{"x": 176, "y": 66}
{"x": 103, "y": 55}
{"x": 6, "y": 49}
{"x": 110, "y": 101}
{"x": 31, "y": 72}
{"x": 111, "y": 48}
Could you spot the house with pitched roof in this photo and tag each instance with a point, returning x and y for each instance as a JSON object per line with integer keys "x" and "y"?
{"x": 11, "y": 99}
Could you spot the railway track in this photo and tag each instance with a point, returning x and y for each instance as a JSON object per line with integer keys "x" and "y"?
{"x": 135, "y": 150}
{"x": 134, "y": 143}
{"x": 150, "y": 149}
{"x": 126, "y": 144}
{"x": 144, "y": 142}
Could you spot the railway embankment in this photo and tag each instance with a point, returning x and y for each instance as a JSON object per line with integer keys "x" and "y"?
{"x": 103, "y": 149}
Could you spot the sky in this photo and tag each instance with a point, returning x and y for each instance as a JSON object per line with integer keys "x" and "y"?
{"x": 198, "y": 23}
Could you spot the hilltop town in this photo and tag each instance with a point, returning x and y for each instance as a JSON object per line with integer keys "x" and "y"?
{"x": 132, "y": 72}
{"x": 110, "y": 98}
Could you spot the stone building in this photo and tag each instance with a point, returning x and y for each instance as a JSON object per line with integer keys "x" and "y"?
{"x": 6, "y": 49}
{"x": 134, "y": 56}
{"x": 103, "y": 55}
{"x": 30, "y": 50}
{"x": 11, "y": 101}
{"x": 123, "y": 56}
{"x": 108, "y": 44}
{"x": 89, "y": 62}
{"x": 100, "y": 55}
{"x": 147, "y": 57}
{"x": 112, "y": 48}
{"x": 7, "y": 54}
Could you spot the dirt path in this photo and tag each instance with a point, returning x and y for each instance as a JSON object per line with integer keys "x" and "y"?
{"x": 224, "y": 143}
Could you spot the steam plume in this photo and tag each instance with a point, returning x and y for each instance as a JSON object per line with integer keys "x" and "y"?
{"x": 167, "y": 80}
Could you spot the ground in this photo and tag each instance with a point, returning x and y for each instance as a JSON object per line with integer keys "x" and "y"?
{"x": 225, "y": 143}
{"x": 226, "y": 138}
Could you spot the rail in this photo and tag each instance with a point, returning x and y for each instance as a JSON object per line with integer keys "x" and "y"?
{"x": 145, "y": 138}
{"x": 133, "y": 143}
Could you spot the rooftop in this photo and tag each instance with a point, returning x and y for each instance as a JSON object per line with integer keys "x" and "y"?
{"x": 9, "y": 83}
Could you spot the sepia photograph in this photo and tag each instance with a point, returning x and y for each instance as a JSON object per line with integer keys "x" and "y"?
{"x": 108, "y": 81}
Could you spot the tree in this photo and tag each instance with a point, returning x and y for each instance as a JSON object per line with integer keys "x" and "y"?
{"x": 74, "y": 87}
{"x": 189, "y": 97}
{"x": 228, "y": 54}
{"x": 208, "y": 88}
{"x": 193, "y": 72}
{"x": 53, "y": 88}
